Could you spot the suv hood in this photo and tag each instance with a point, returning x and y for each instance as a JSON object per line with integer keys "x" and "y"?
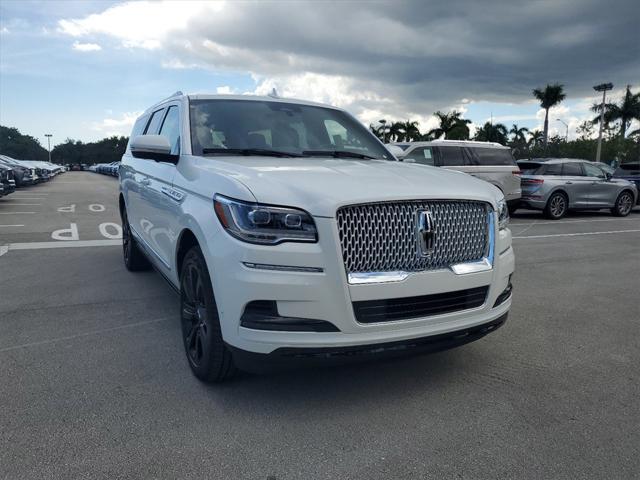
{"x": 322, "y": 185}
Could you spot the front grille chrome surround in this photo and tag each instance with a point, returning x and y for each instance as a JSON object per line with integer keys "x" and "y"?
{"x": 380, "y": 240}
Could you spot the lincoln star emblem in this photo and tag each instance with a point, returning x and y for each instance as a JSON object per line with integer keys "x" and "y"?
{"x": 425, "y": 231}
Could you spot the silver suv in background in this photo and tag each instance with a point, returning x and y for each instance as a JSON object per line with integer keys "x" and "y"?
{"x": 489, "y": 161}
{"x": 561, "y": 184}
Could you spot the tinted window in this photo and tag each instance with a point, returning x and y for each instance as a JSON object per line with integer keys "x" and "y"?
{"x": 451, "y": 156}
{"x": 286, "y": 127}
{"x": 423, "y": 155}
{"x": 592, "y": 170}
{"x": 492, "y": 156}
{"x": 154, "y": 124}
{"x": 171, "y": 129}
{"x": 572, "y": 169}
{"x": 553, "y": 169}
{"x": 530, "y": 168}
{"x": 628, "y": 169}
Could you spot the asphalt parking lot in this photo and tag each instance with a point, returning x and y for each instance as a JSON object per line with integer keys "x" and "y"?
{"x": 94, "y": 382}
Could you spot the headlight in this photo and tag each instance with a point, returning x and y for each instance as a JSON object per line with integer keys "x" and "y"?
{"x": 264, "y": 224}
{"x": 503, "y": 214}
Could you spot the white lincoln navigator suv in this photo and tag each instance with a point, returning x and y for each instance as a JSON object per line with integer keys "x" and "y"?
{"x": 294, "y": 236}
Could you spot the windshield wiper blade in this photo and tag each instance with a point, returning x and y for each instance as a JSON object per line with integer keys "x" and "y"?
{"x": 337, "y": 154}
{"x": 249, "y": 151}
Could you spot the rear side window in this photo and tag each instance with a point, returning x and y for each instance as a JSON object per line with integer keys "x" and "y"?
{"x": 571, "y": 169}
{"x": 154, "y": 124}
{"x": 553, "y": 169}
{"x": 423, "y": 155}
{"x": 171, "y": 129}
{"x": 451, "y": 156}
{"x": 492, "y": 156}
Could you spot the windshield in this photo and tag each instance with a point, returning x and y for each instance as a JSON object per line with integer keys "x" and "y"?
{"x": 249, "y": 127}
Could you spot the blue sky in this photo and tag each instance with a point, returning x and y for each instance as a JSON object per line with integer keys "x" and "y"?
{"x": 83, "y": 70}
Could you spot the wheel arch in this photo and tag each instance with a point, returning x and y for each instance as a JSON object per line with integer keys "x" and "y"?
{"x": 186, "y": 240}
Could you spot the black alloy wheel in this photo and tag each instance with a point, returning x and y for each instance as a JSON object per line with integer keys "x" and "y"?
{"x": 208, "y": 356}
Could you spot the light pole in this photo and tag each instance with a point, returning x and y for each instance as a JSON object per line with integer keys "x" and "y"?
{"x": 384, "y": 130}
{"x": 603, "y": 87}
{"x": 566, "y": 137}
{"x": 48, "y": 135}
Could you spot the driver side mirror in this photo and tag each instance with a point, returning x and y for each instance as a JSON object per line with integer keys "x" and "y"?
{"x": 153, "y": 147}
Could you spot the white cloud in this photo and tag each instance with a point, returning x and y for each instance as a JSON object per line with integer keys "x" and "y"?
{"x": 4, "y": 30}
{"x": 116, "y": 126}
{"x": 225, "y": 90}
{"x": 86, "y": 47}
{"x": 143, "y": 24}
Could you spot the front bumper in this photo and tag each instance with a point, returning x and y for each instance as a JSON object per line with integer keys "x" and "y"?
{"x": 286, "y": 358}
{"x": 325, "y": 295}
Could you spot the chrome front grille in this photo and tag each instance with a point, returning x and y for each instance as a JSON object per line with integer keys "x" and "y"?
{"x": 382, "y": 237}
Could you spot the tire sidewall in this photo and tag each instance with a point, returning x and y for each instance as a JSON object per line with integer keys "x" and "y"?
{"x": 214, "y": 348}
{"x": 566, "y": 206}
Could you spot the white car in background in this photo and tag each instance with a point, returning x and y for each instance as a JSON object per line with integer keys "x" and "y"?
{"x": 489, "y": 161}
{"x": 294, "y": 236}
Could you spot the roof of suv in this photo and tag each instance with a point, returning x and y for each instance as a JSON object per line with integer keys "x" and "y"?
{"x": 453, "y": 143}
{"x": 255, "y": 98}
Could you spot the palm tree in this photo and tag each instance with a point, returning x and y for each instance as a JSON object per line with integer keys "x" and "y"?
{"x": 492, "y": 133}
{"x": 518, "y": 133}
{"x": 410, "y": 130}
{"x": 626, "y": 111}
{"x": 536, "y": 138}
{"x": 549, "y": 97}
{"x": 452, "y": 126}
{"x": 396, "y": 132}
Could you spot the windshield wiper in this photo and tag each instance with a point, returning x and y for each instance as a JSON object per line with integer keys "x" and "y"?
{"x": 249, "y": 151}
{"x": 337, "y": 154}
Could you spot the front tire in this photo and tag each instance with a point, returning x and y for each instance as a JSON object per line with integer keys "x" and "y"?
{"x": 557, "y": 206}
{"x": 623, "y": 205}
{"x": 134, "y": 259}
{"x": 208, "y": 356}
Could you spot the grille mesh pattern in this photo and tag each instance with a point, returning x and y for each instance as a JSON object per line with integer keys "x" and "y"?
{"x": 381, "y": 237}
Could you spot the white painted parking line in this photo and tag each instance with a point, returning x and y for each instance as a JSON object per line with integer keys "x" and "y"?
{"x": 576, "y": 234}
{"x": 576, "y": 221}
{"x": 11, "y": 225}
{"x": 3, "y": 249}
{"x": 66, "y": 244}
{"x": 9, "y": 202}
{"x": 15, "y": 213}
{"x": 23, "y": 204}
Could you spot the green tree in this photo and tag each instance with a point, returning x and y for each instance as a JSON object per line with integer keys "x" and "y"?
{"x": 19, "y": 146}
{"x": 549, "y": 97}
{"x": 410, "y": 131}
{"x": 519, "y": 133}
{"x": 452, "y": 126}
{"x": 536, "y": 138}
{"x": 624, "y": 112}
{"x": 492, "y": 132}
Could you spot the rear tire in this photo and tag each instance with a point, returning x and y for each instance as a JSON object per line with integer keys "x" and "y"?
{"x": 623, "y": 205}
{"x": 134, "y": 259}
{"x": 557, "y": 206}
{"x": 208, "y": 356}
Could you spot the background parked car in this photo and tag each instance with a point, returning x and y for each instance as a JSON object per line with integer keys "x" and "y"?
{"x": 6, "y": 179}
{"x": 486, "y": 160}
{"x": 559, "y": 185}
{"x": 629, "y": 171}
{"x": 23, "y": 175}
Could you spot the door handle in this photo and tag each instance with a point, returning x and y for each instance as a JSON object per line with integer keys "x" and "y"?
{"x": 145, "y": 182}
{"x": 568, "y": 183}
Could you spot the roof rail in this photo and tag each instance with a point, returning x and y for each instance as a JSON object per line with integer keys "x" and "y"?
{"x": 179, "y": 92}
